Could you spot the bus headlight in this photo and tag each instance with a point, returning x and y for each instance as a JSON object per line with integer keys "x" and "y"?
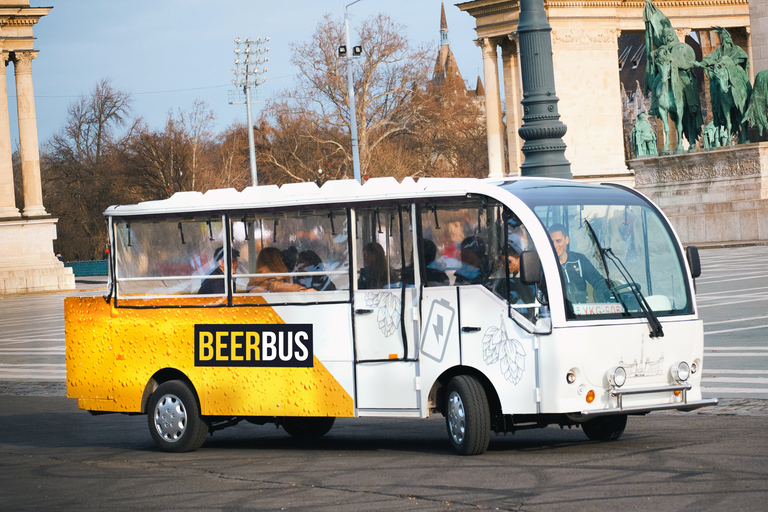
{"x": 680, "y": 371}
{"x": 617, "y": 377}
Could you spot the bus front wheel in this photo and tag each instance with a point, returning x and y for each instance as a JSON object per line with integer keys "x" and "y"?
{"x": 605, "y": 428}
{"x": 306, "y": 427}
{"x": 174, "y": 418}
{"x": 467, "y": 415}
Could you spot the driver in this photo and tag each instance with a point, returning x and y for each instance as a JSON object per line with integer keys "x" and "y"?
{"x": 577, "y": 269}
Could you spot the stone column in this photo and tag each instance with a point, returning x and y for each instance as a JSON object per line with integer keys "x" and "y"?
{"x": 7, "y": 197}
{"x": 749, "y": 55}
{"x": 511, "y": 69}
{"x": 493, "y": 123}
{"x": 30, "y": 152}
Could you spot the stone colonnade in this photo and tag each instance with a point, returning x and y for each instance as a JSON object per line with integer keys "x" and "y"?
{"x": 28, "y": 143}
{"x": 27, "y": 261}
{"x": 595, "y": 143}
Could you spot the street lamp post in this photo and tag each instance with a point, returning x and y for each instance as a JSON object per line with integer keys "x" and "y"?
{"x": 356, "y": 51}
{"x": 248, "y": 74}
{"x": 542, "y": 129}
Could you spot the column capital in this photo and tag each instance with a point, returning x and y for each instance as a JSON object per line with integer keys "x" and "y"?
{"x": 510, "y": 45}
{"x": 23, "y": 61}
{"x": 489, "y": 44}
{"x": 681, "y": 33}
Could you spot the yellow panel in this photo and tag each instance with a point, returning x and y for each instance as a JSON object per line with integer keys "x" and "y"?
{"x": 89, "y": 355}
{"x": 145, "y": 341}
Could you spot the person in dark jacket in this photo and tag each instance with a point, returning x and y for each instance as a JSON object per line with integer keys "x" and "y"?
{"x": 213, "y": 285}
{"x": 577, "y": 269}
{"x": 474, "y": 262}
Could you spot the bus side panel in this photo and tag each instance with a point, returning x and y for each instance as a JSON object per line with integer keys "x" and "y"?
{"x": 439, "y": 347}
{"x": 324, "y": 389}
{"x": 144, "y": 341}
{"x": 591, "y": 352}
{"x": 89, "y": 355}
{"x": 503, "y": 351}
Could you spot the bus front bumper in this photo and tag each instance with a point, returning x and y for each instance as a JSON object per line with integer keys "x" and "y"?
{"x": 683, "y": 405}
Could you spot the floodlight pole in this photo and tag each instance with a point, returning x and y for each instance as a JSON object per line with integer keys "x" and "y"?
{"x": 250, "y": 77}
{"x": 251, "y": 142}
{"x": 351, "y": 94}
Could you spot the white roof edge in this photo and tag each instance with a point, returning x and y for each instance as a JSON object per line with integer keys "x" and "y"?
{"x": 332, "y": 192}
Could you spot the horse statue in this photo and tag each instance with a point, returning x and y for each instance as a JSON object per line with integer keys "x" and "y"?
{"x": 730, "y": 96}
{"x": 729, "y": 85}
{"x": 675, "y": 93}
{"x": 669, "y": 76}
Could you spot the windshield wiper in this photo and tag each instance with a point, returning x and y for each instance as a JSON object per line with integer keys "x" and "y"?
{"x": 608, "y": 281}
{"x": 653, "y": 321}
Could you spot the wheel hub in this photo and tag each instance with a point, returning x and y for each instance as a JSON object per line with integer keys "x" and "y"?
{"x": 457, "y": 418}
{"x": 170, "y": 418}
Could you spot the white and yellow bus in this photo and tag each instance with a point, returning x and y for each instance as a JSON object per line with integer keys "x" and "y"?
{"x": 502, "y": 304}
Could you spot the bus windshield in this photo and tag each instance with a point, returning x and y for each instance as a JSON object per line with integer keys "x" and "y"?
{"x": 616, "y": 253}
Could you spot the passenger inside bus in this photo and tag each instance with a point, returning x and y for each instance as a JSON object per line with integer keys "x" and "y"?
{"x": 474, "y": 263}
{"x": 309, "y": 261}
{"x": 434, "y": 274}
{"x": 518, "y": 292}
{"x": 214, "y": 285}
{"x": 373, "y": 275}
{"x": 577, "y": 270}
{"x": 270, "y": 261}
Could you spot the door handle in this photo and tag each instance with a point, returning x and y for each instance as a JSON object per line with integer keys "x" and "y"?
{"x": 363, "y": 311}
{"x": 470, "y": 329}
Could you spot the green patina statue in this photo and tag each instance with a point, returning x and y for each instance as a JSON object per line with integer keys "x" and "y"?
{"x": 729, "y": 85}
{"x": 715, "y": 136}
{"x": 643, "y": 137}
{"x": 669, "y": 76}
{"x": 757, "y": 111}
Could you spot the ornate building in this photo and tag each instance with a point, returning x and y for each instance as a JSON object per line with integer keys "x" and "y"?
{"x": 585, "y": 49}
{"x": 27, "y": 262}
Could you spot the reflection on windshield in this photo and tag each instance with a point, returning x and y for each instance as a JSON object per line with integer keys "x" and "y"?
{"x": 636, "y": 238}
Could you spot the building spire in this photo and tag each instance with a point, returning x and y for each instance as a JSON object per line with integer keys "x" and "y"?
{"x": 443, "y": 27}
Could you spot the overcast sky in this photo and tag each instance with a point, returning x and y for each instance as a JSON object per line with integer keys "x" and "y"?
{"x": 169, "y": 53}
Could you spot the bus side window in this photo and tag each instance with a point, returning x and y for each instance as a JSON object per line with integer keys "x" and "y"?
{"x": 295, "y": 251}
{"x": 461, "y": 242}
{"x": 171, "y": 256}
{"x": 384, "y": 245}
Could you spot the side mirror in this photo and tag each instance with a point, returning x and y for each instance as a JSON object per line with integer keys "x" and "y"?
{"x": 530, "y": 268}
{"x": 692, "y": 255}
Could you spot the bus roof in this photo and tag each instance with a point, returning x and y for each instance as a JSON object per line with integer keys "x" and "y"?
{"x": 308, "y": 193}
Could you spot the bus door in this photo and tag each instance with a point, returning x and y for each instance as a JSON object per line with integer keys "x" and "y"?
{"x": 471, "y": 298}
{"x": 385, "y": 310}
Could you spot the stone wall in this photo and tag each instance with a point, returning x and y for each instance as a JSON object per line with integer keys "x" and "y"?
{"x": 717, "y": 196}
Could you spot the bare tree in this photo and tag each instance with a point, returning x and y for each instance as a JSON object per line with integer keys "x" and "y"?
{"x": 386, "y": 78}
{"x": 77, "y": 181}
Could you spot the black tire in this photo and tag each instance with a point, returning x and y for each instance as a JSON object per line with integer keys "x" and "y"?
{"x": 307, "y": 427}
{"x": 174, "y": 418}
{"x": 605, "y": 428}
{"x": 467, "y": 415}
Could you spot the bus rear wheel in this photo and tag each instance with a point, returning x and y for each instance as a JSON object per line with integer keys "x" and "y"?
{"x": 467, "y": 415}
{"x": 174, "y": 418}
{"x": 605, "y": 428}
{"x": 306, "y": 427}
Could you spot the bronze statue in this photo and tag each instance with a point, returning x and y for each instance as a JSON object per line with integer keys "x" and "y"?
{"x": 729, "y": 85}
{"x": 643, "y": 137}
{"x": 757, "y": 111}
{"x": 669, "y": 77}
